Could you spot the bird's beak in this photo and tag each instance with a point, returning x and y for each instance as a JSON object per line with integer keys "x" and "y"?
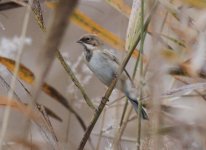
{"x": 79, "y": 41}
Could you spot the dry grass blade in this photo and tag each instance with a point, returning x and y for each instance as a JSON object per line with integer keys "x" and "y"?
{"x": 134, "y": 27}
{"x": 121, "y": 6}
{"x": 196, "y": 3}
{"x": 49, "y": 112}
{"x": 26, "y": 75}
{"x": 26, "y": 110}
{"x": 36, "y": 8}
{"x": 23, "y": 72}
{"x": 91, "y": 26}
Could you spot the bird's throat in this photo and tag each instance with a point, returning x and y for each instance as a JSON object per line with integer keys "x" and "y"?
{"x": 88, "y": 54}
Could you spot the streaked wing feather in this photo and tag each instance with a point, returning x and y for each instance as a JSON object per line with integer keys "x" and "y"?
{"x": 111, "y": 56}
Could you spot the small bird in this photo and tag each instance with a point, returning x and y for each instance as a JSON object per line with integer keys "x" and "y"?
{"x": 105, "y": 66}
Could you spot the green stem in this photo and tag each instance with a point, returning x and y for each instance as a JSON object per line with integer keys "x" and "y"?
{"x": 141, "y": 75}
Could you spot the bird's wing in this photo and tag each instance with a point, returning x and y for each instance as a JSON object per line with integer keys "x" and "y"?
{"x": 112, "y": 57}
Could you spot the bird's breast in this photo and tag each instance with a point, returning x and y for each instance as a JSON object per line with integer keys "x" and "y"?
{"x": 103, "y": 68}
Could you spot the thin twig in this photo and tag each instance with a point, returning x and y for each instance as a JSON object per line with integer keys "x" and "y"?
{"x": 75, "y": 80}
{"x": 5, "y": 84}
{"x": 42, "y": 109}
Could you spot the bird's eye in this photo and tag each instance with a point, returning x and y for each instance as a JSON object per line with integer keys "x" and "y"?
{"x": 87, "y": 39}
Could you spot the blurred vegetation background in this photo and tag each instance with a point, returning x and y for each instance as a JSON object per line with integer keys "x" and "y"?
{"x": 51, "y": 100}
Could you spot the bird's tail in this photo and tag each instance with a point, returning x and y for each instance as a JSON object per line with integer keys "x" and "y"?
{"x": 130, "y": 92}
{"x": 143, "y": 111}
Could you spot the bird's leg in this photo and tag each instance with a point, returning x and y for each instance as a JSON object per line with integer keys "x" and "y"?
{"x": 114, "y": 75}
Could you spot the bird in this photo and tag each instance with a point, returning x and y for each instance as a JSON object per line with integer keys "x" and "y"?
{"x": 104, "y": 64}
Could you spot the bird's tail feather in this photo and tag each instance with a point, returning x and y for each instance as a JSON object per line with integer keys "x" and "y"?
{"x": 143, "y": 111}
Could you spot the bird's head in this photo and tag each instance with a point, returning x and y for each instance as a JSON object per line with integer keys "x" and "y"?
{"x": 90, "y": 41}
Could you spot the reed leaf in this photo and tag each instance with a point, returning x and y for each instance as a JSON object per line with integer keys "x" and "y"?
{"x": 26, "y": 75}
{"x": 134, "y": 27}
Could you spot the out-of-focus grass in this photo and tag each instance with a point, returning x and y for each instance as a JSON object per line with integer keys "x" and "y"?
{"x": 177, "y": 57}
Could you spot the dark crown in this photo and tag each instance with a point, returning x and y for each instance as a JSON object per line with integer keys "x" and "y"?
{"x": 90, "y": 39}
